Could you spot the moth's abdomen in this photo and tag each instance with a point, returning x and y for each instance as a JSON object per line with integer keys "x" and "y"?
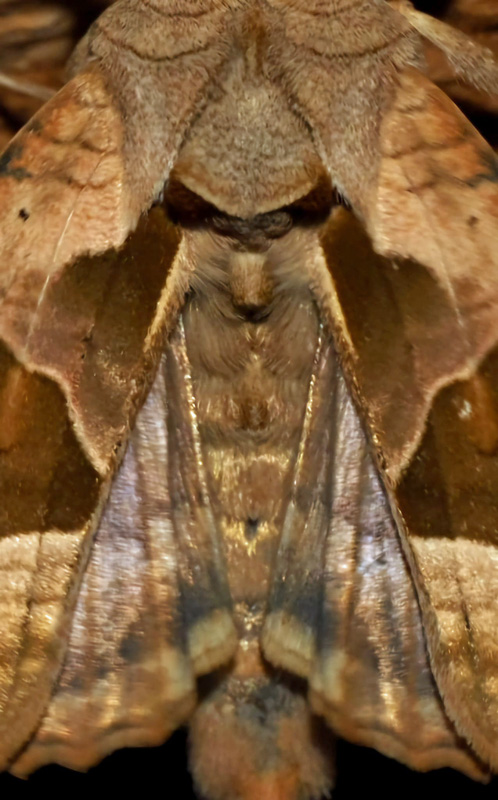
{"x": 255, "y": 738}
{"x": 252, "y": 330}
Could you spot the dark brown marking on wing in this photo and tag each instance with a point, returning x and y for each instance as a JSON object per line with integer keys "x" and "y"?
{"x": 490, "y": 170}
{"x": 46, "y": 481}
{"x": 94, "y": 319}
{"x": 455, "y": 468}
{"x": 7, "y": 164}
{"x": 160, "y": 59}
{"x": 390, "y": 309}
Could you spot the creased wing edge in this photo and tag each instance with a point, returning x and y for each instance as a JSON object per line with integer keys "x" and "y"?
{"x": 75, "y": 369}
{"x": 332, "y": 616}
{"x": 42, "y": 555}
{"x": 128, "y": 678}
{"x": 422, "y": 363}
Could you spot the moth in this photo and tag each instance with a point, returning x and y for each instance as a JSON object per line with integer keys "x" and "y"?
{"x": 249, "y": 398}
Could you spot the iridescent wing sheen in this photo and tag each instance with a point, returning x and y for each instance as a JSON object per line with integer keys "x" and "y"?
{"x": 55, "y": 468}
{"x": 142, "y": 630}
{"x": 420, "y": 331}
{"x": 82, "y": 317}
{"x": 343, "y": 611}
{"x": 417, "y": 329}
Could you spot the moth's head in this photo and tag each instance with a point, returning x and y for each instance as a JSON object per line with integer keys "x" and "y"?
{"x": 251, "y": 232}
{"x": 247, "y": 260}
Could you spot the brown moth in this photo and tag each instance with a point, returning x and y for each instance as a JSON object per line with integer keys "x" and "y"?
{"x": 237, "y": 442}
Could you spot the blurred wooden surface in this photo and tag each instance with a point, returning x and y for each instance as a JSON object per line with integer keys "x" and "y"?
{"x": 36, "y": 40}
{"x": 478, "y": 18}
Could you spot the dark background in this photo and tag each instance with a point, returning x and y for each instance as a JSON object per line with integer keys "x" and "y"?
{"x": 164, "y": 771}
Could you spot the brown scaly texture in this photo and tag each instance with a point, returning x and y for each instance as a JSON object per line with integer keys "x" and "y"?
{"x": 37, "y": 38}
{"x": 100, "y": 156}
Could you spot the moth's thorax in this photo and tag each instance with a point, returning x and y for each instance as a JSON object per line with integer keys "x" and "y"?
{"x": 251, "y": 328}
{"x": 248, "y": 152}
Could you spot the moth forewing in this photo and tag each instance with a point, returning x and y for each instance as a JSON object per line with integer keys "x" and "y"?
{"x": 185, "y": 238}
{"x": 432, "y": 416}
